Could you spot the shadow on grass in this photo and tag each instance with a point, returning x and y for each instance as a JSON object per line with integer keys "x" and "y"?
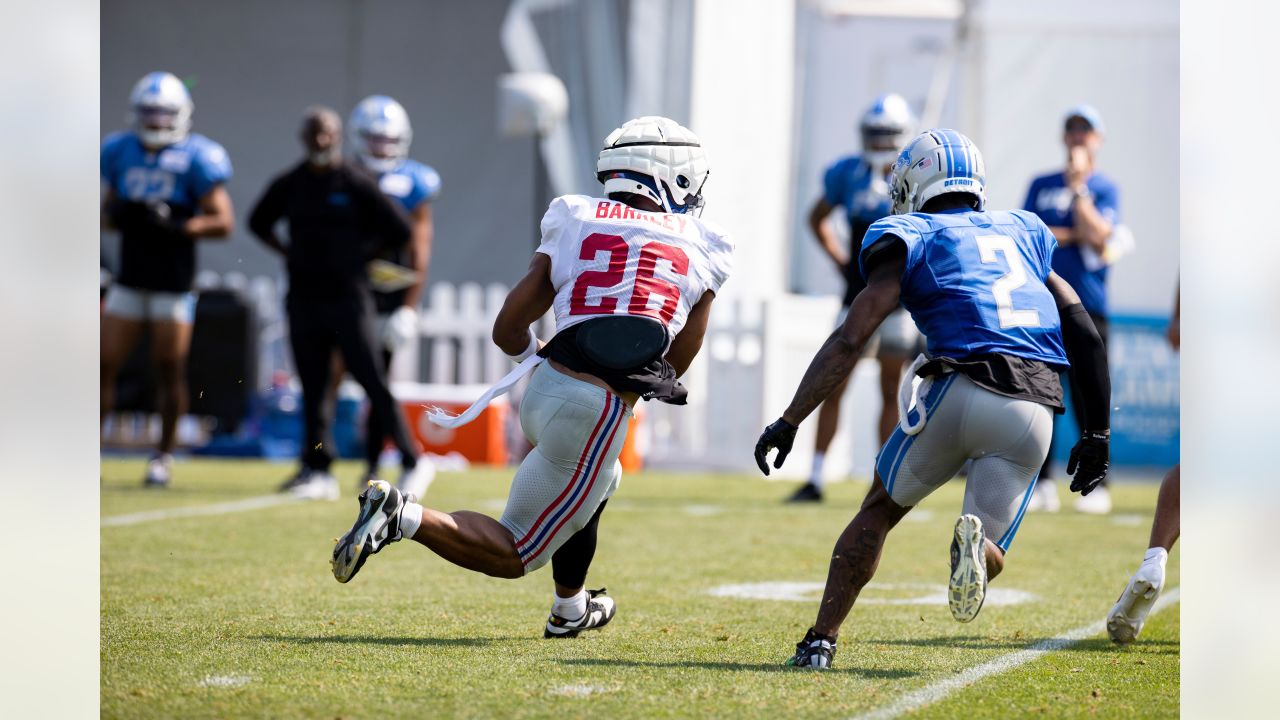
{"x": 375, "y": 640}
{"x": 757, "y": 667}
{"x": 975, "y": 642}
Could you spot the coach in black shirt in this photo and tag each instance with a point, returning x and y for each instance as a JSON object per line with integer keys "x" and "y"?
{"x": 338, "y": 220}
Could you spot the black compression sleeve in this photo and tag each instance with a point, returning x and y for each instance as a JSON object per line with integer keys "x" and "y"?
{"x": 1088, "y": 358}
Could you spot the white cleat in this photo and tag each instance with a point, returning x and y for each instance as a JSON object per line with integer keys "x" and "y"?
{"x": 1126, "y": 619}
{"x": 318, "y": 485}
{"x": 968, "y": 585}
{"x": 1097, "y": 502}
{"x": 416, "y": 481}
{"x": 159, "y": 471}
{"x": 1044, "y": 498}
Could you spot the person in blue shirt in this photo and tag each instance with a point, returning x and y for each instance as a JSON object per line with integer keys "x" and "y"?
{"x": 858, "y": 185}
{"x": 165, "y": 189}
{"x": 1001, "y": 325}
{"x": 1081, "y": 206}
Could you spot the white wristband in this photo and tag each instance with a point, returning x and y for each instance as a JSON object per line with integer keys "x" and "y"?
{"x": 533, "y": 348}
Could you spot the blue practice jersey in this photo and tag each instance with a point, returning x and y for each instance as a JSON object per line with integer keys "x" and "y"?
{"x": 179, "y": 175}
{"x": 856, "y": 187}
{"x": 411, "y": 184}
{"x": 1049, "y": 198}
{"x": 974, "y": 282}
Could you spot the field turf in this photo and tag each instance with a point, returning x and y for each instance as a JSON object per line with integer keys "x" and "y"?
{"x": 237, "y": 614}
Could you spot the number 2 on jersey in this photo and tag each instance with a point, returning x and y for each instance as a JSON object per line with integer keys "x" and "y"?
{"x": 647, "y": 283}
{"x": 1003, "y": 287}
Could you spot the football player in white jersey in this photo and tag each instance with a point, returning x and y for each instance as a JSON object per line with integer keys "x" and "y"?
{"x": 631, "y": 277}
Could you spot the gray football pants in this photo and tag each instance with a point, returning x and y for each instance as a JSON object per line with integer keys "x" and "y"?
{"x": 577, "y": 431}
{"x": 1006, "y": 439}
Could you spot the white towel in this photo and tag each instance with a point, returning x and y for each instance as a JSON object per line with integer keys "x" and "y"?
{"x": 443, "y": 418}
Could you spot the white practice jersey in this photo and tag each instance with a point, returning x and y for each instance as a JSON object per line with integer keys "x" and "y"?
{"x": 608, "y": 258}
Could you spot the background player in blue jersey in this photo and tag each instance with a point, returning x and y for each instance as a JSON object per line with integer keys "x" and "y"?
{"x": 165, "y": 190}
{"x": 858, "y": 184}
{"x": 380, "y": 135}
{"x": 1081, "y": 207}
{"x": 1001, "y": 325}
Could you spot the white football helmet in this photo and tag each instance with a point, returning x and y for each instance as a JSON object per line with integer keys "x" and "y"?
{"x": 886, "y": 126}
{"x": 936, "y": 162}
{"x": 380, "y": 133}
{"x": 160, "y": 109}
{"x": 658, "y": 158}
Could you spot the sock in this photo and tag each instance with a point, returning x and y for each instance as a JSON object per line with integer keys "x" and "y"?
{"x": 410, "y": 519}
{"x": 815, "y": 474}
{"x": 1156, "y": 554}
{"x": 571, "y": 608}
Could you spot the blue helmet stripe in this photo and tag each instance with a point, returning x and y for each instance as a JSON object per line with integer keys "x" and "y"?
{"x": 961, "y": 152}
{"x": 945, "y": 149}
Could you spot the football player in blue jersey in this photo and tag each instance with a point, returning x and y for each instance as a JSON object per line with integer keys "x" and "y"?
{"x": 1001, "y": 325}
{"x": 1081, "y": 206}
{"x": 381, "y": 134}
{"x": 858, "y": 184}
{"x": 165, "y": 189}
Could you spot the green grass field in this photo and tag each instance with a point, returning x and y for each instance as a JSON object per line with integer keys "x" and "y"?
{"x": 237, "y": 614}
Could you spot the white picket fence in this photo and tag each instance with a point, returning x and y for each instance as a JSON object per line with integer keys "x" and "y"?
{"x": 754, "y": 354}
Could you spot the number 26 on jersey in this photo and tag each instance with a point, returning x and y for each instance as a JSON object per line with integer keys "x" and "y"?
{"x": 643, "y": 288}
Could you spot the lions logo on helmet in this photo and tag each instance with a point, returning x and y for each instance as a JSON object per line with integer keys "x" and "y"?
{"x": 936, "y": 162}
{"x": 885, "y": 128}
{"x": 380, "y": 133}
{"x": 160, "y": 110}
{"x": 657, "y": 158}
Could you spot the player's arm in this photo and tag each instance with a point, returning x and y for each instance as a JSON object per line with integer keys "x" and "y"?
{"x": 422, "y": 233}
{"x": 684, "y": 348}
{"x": 528, "y": 300}
{"x": 267, "y": 212}
{"x": 1064, "y": 235}
{"x": 216, "y": 216}
{"x": 1091, "y": 229}
{"x": 825, "y": 234}
{"x": 1091, "y": 457}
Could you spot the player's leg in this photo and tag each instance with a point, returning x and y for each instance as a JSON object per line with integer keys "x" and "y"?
{"x": 1007, "y": 439}
{"x": 123, "y": 321}
{"x": 311, "y": 339}
{"x": 577, "y": 429}
{"x": 908, "y": 469}
{"x": 575, "y": 608}
{"x": 375, "y": 435}
{"x": 1126, "y": 619}
{"x": 328, "y": 406}
{"x": 357, "y": 338}
{"x": 172, "y": 319}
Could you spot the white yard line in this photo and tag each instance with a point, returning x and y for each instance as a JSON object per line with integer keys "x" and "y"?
{"x": 933, "y": 693}
{"x": 253, "y": 503}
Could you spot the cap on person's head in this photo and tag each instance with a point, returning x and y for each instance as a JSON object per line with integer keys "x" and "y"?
{"x": 1089, "y": 114}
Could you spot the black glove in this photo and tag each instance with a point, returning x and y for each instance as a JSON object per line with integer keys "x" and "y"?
{"x": 779, "y": 435}
{"x": 1089, "y": 461}
{"x": 153, "y": 214}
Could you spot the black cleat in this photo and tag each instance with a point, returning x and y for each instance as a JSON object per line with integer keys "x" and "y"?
{"x": 813, "y": 652}
{"x": 600, "y": 610}
{"x": 807, "y": 493}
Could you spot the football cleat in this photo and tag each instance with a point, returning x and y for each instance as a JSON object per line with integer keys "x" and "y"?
{"x": 298, "y": 478}
{"x": 159, "y": 470}
{"x": 1126, "y": 619}
{"x": 600, "y": 610}
{"x": 814, "y": 651}
{"x": 316, "y": 485}
{"x": 968, "y": 586}
{"x": 1097, "y": 502}
{"x": 1044, "y": 497}
{"x": 807, "y": 493}
{"x": 377, "y": 526}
